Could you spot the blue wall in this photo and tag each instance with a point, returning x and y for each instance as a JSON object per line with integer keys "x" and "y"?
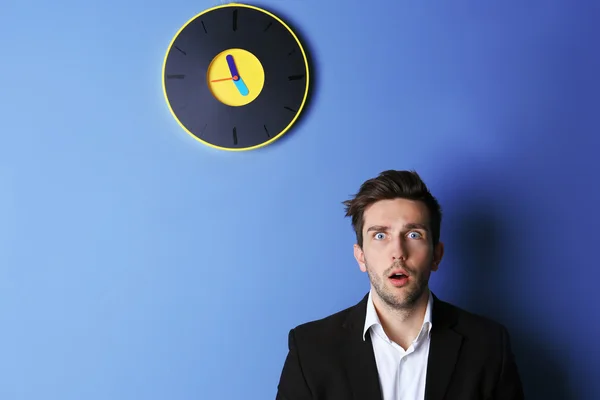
{"x": 136, "y": 263}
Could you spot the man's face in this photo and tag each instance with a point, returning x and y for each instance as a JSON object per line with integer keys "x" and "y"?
{"x": 397, "y": 238}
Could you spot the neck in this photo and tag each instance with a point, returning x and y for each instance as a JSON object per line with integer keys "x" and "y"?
{"x": 404, "y": 324}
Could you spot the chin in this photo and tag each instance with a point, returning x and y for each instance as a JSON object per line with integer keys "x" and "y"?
{"x": 404, "y": 296}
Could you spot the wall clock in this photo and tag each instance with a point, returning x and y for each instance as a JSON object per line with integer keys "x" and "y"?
{"x": 235, "y": 77}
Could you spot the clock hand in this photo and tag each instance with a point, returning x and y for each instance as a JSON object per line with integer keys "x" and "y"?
{"x": 241, "y": 86}
{"x": 234, "y": 78}
{"x": 239, "y": 83}
{"x": 231, "y": 64}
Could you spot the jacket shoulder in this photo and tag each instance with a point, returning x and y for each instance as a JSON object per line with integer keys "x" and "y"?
{"x": 474, "y": 325}
{"x": 330, "y": 323}
{"x": 327, "y": 331}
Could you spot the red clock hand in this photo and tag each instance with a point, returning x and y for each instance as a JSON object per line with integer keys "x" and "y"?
{"x": 235, "y": 78}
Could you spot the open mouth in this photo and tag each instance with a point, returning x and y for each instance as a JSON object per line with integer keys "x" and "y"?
{"x": 399, "y": 279}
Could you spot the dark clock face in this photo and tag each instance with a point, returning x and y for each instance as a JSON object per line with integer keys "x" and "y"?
{"x": 236, "y": 77}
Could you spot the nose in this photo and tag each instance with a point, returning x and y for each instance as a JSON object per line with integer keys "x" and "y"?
{"x": 399, "y": 251}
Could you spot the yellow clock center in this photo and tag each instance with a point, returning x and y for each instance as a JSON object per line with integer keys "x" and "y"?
{"x": 235, "y": 77}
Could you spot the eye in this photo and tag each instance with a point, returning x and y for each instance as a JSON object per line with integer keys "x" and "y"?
{"x": 379, "y": 236}
{"x": 414, "y": 235}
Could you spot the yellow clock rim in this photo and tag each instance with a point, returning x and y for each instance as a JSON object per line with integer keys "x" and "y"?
{"x": 304, "y": 57}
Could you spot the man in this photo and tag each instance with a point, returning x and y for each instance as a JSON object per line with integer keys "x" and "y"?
{"x": 400, "y": 342}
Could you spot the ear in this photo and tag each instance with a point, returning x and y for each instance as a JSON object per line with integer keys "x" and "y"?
{"x": 359, "y": 255}
{"x": 438, "y": 253}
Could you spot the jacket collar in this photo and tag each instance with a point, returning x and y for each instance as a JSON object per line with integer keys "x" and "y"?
{"x": 372, "y": 318}
{"x": 360, "y": 358}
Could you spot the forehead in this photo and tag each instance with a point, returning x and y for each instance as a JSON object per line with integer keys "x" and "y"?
{"x": 396, "y": 212}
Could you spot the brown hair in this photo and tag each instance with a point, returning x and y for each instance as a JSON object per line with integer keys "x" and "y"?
{"x": 392, "y": 184}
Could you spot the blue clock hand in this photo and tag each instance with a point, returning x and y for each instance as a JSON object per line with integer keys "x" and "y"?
{"x": 237, "y": 79}
{"x": 241, "y": 86}
{"x": 232, "y": 67}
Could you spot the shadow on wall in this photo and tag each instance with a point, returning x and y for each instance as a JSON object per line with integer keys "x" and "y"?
{"x": 482, "y": 244}
{"x": 313, "y": 65}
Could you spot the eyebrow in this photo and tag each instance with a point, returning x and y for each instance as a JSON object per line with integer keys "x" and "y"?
{"x": 416, "y": 226}
{"x": 382, "y": 228}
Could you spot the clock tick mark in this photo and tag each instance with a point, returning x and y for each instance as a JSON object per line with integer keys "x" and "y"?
{"x": 290, "y": 109}
{"x": 175, "y": 76}
{"x": 295, "y": 77}
{"x": 291, "y": 52}
{"x": 183, "y": 52}
{"x": 268, "y": 26}
{"x": 235, "y": 13}
{"x": 267, "y": 131}
{"x": 204, "y": 26}
{"x": 235, "y": 138}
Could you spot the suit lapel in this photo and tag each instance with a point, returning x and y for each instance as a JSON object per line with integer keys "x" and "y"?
{"x": 443, "y": 351}
{"x": 362, "y": 367}
{"x": 360, "y": 359}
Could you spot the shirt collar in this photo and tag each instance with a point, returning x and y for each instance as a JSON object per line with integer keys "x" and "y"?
{"x": 373, "y": 319}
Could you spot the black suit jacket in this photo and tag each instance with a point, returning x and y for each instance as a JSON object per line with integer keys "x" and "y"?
{"x": 470, "y": 358}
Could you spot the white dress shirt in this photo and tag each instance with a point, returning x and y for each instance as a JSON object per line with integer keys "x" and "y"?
{"x": 401, "y": 373}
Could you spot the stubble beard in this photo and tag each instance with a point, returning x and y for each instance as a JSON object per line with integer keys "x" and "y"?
{"x": 405, "y": 298}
